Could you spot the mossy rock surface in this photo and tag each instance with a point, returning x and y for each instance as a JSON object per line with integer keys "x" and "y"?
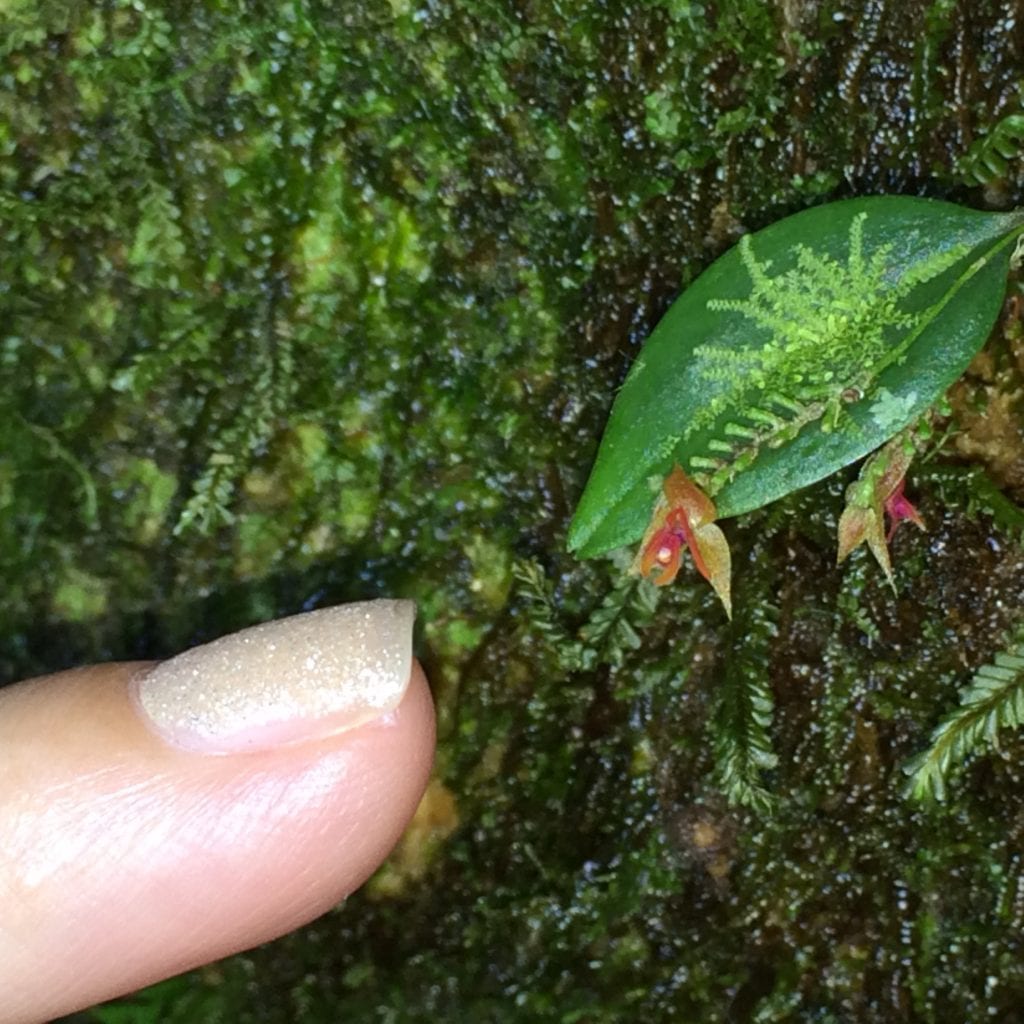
{"x": 308, "y": 302}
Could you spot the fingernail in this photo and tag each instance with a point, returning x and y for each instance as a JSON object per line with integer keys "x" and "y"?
{"x": 284, "y": 681}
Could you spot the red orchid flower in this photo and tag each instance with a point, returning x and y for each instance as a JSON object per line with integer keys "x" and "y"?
{"x": 878, "y": 493}
{"x": 898, "y": 508}
{"x": 684, "y": 514}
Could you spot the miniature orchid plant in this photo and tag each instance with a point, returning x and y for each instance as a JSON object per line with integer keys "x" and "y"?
{"x": 809, "y": 345}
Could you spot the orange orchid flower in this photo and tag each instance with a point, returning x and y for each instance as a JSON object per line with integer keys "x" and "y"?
{"x": 876, "y": 494}
{"x": 684, "y": 514}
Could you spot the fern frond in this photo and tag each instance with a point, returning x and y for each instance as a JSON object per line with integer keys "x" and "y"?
{"x": 613, "y": 628}
{"x": 990, "y": 158}
{"x": 610, "y": 633}
{"x": 541, "y": 613}
{"x": 994, "y": 700}
{"x": 742, "y": 722}
{"x": 208, "y": 507}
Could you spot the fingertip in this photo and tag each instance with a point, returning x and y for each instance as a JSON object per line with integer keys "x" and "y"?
{"x": 133, "y": 860}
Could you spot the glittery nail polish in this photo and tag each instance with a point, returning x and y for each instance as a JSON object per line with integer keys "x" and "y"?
{"x": 284, "y": 681}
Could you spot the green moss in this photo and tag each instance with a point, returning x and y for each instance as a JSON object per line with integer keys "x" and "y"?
{"x": 307, "y": 302}
{"x": 147, "y": 492}
{"x": 79, "y": 597}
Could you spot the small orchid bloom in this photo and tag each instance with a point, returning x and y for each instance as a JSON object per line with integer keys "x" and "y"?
{"x": 898, "y": 508}
{"x": 684, "y": 514}
{"x": 877, "y": 493}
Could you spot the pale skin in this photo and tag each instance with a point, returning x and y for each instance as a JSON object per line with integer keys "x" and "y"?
{"x": 124, "y": 860}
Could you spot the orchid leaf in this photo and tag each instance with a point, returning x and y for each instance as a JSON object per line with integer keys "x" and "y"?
{"x": 799, "y": 351}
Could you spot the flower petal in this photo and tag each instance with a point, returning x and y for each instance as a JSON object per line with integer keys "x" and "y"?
{"x": 663, "y": 552}
{"x": 711, "y": 555}
{"x": 899, "y": 508}
{"x": 683, "y": 494}
{"x": 853, "y": 529}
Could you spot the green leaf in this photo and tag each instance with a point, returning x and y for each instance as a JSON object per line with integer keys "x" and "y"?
{"x": 803, "y": 348}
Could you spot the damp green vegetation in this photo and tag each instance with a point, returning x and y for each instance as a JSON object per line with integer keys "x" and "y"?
{"x": 307, "y": 302}
{"x": 774, "y": 370}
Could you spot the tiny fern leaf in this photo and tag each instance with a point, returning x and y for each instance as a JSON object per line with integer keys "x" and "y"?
{"x": 243, "y": 432}
{"x": 998, "y": 154}
{"x": 993, "y": 701}
{"x": 542, "y": 615}
{"x": 613, "y": 629}
{"x": 742, "y": 724}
